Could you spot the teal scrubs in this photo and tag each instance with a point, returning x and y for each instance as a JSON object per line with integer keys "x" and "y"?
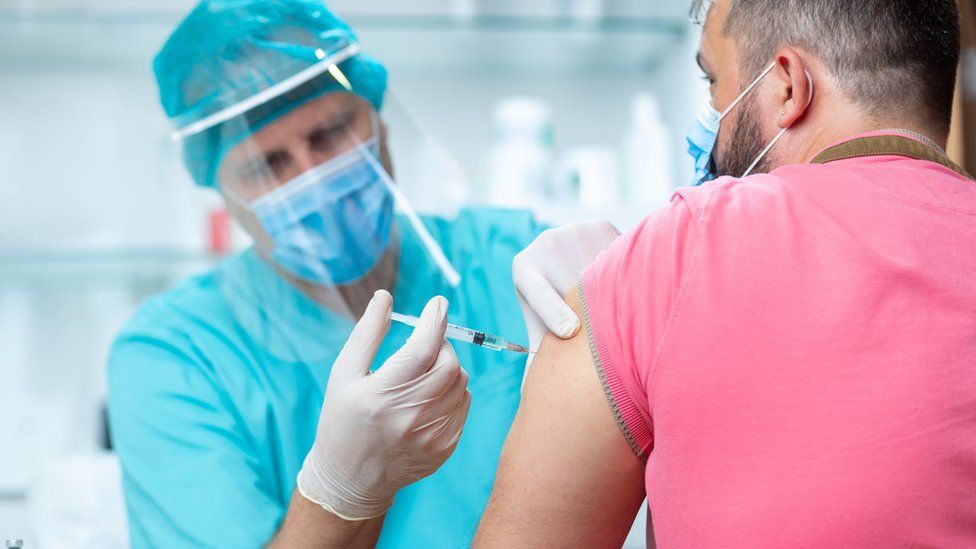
{"x": 215, "y": 390}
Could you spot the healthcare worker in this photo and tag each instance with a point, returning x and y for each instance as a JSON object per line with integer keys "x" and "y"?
{"x": 216, "y": 387}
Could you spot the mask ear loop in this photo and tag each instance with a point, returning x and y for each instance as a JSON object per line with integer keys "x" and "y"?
{"x": 746, "y": 91}
{"x": 781, "y": 133}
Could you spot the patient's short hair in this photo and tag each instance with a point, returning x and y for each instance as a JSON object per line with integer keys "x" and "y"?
{"x": 889, "y": 56}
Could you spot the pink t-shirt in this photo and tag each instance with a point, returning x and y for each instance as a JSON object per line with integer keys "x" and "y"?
{"x": 795, "y": 356}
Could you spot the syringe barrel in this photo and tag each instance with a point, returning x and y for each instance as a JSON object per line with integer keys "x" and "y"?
{"x": 493, "y": 342}
{"x": 460, "y": 334}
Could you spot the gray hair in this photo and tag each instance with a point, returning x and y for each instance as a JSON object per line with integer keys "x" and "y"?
{"x": 885, "y": 55}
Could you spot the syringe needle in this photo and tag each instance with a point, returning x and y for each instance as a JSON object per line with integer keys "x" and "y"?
{"x": 516, "y": 348}
{"x": 467, "y": 335}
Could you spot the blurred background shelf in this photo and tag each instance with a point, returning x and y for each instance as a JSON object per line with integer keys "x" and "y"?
{"x": 428, "y": 43}
{"x": 106, "y": 267}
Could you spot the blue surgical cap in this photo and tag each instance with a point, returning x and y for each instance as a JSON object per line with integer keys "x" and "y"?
{"x": 226, "y": 51}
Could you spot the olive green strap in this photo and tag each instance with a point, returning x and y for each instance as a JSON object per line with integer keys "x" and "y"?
{"x": 885, "y": 145}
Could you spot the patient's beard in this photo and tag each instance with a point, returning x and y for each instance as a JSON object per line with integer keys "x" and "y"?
{"x": 745, "y": 144}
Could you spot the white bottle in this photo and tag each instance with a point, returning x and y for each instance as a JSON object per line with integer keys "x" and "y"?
{"x": 647, "y": 155}
{"x": 591, "y": 174}
{"x": 584, "y": 11}
{"x": 465, "y": 10}
{"x": 520, "y": 161}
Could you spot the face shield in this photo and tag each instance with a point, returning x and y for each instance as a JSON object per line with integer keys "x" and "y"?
{"x": 306, "y": 169}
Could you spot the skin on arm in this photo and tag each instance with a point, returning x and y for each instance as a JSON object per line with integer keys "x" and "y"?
{"x": 308, "y": 525}
{"x": 567, "y": 476}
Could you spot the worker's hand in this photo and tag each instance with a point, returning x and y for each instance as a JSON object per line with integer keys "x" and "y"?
{"x": 381, "y": 431}
{"x": 549, "y": 268}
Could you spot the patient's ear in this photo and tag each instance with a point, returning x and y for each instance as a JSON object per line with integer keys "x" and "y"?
{"x": 794, "y": 87}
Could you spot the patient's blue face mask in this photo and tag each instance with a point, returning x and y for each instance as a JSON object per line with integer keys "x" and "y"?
{"x": 331, "y": 224}
{"x": 703, "y": 134}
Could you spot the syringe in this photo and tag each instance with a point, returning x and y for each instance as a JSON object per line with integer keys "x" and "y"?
{"x": 467, "y": 335}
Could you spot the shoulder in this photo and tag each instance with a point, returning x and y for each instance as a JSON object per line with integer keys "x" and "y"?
{"x": 670, "y": 238}
{"x": 193, "y": 301}
{"x": 483, "y": 223}
{"x": 727, "y": 204}
{"x": 173, "y": 332}
{"x": 493, "y": 219}
{"x": 487, "y": 231}
{"x": 731, "y": 193}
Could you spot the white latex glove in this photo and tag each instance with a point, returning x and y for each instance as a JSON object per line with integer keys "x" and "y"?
{"x": 549, "y": 268}
{"x": 382, "y": 431}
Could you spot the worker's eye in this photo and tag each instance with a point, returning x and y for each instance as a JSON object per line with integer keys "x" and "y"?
{"x": 251, "y": 171}
{"x": 328, "y": 139}
{"x": 276, "y": 163}
{"x": 258, "y": 173}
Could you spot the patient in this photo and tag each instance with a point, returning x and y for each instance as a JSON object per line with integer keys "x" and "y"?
{"x": 786, "y": 359}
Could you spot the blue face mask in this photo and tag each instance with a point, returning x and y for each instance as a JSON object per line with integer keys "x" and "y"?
{"x": 703, "y": 134}
{"x": 331, "y": 224}
{"x": 701, "y": 140}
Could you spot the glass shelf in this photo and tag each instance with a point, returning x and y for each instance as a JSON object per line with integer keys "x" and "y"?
{"x": 530, "y": 23}
{"x": 432, "y": 43}
{"x": 429, "y": 22}
{"x": 100, "y": 266}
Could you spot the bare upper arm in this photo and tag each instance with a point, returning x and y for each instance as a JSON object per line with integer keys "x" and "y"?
{"x": 567, "y": 476}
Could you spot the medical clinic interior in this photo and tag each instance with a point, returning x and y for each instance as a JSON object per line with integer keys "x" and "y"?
{"x": 570, "y": 109}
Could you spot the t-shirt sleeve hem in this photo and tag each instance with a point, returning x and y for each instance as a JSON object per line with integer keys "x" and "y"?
{"x": 625, "y": 412}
